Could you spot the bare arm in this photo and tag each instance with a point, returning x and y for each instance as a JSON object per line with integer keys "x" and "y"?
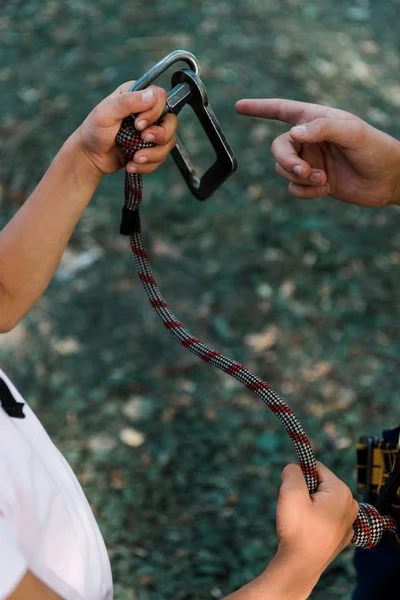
{"x": 32, "y": 243}
{"x": 33, "y": 588}
{"x": 312, "y": 531}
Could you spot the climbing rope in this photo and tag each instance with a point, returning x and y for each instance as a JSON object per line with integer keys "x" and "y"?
{"x": 370, "y": 525}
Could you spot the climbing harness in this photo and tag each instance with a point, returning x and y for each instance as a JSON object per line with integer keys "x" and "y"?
{"x": 187, "y": 88}
{"x": 378, "y": 473}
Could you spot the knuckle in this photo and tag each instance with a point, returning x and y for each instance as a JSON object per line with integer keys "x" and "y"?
{"x": 347, "y": 496}
{"x": 125, "y": 100}
{"x": 362, "y": 130}
{"x": 161, "y": 93}
{"x": 163, "y": 138}
{"x": 320, "y": 125}
{"x": 174, "y": 122}
{"x": 280, "y": 146}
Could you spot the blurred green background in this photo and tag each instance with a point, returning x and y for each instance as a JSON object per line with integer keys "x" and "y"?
{"x": 180, "y": 463}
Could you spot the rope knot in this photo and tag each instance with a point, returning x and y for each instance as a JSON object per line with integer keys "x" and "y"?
{"x": 370, "y": 526}
{"x": 130, "y": 141}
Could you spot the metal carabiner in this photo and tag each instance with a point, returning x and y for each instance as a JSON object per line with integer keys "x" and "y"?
{"x": 178, "y": 55}
{"x": 189, "y": 89}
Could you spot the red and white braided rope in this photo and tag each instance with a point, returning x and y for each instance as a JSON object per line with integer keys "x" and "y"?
{"x": 370, "y": 524}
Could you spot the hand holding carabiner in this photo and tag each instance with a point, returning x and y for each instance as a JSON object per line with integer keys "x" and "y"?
{"x": 96, "y": 135}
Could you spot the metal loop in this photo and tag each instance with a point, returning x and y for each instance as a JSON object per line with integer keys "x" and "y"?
{"x": 164, "y": 64}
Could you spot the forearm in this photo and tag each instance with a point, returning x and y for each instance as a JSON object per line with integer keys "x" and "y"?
{"x": 32, "y": 243}
{"x": 281, "y": 580}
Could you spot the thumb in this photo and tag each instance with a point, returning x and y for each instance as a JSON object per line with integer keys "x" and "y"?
{"x": 293, "y": 480}
{"x": 117, "y": 107}
{"x": 327, "y": 481}
{"x": 347, "y": 133}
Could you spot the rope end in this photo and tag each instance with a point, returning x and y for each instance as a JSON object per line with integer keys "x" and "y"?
{"x": 130, "y": 222}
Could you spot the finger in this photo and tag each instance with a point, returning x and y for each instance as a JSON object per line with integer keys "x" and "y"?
{"x": 162, "y": 133}
{"x": 347, "y": 133}
{"x": 287, "y": 111}
{"x": 285, "y": 150}
{"x": 143, "y": 169}
{"x": 155, "y": 154}
{"x": 293, "y": 480}
{"x": 124, "y": 87}
{"x": 116, "y": 107}
{"x": 308, "y": 192}
{"x": 148, "y": 117}
{"x": 317, "y": 176}
{"x": 313, "y": 154}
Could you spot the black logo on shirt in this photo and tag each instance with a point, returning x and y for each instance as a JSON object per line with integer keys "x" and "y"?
{"x": 9, "y": 403}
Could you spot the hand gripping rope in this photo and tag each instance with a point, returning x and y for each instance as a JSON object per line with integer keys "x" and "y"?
{"x": 370, "y": 525}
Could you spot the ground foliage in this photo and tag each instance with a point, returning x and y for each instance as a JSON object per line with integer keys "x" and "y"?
{"x": 180, "y": 463}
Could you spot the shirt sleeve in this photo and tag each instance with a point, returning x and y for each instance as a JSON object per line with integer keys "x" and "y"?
{"x": 13, "y": 565}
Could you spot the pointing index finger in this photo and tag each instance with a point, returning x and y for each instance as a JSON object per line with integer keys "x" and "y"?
{"x": 287, "y": 111}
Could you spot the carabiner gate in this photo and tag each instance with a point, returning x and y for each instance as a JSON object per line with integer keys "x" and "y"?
{"x": 187, "y": 88}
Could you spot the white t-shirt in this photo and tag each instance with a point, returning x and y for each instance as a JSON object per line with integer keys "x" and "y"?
{"x": 46, "y": 524}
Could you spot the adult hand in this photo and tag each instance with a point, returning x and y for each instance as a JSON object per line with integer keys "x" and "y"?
{"x": 331, "y": 152}
{"x": 312, "y": 530}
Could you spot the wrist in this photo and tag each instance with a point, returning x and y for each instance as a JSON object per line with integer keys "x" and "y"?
{"x": 288, "y": 578}
{"x": 83, "y": 167}
{"x": 283, "y": 579}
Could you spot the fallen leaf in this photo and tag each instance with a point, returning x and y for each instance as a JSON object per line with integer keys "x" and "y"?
{"x": 265, "y": 340}
{"x": 137, "y": 408}
{"x": 317, "y": 371}
{"x": 117, "y": 479}
{"x": 101, "y": 443}
{"x": 132, "y": 437}
{"x": 67, "y": 346}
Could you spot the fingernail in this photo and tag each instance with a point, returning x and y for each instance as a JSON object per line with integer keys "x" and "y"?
{"x": 149, "y": 137}
{"x": 322, "y": 190}
{"x": 132, "y": 169}
{"x": 298, "y": 170}
{"x": 142, "y": 124}
{"x": 148, "y": 96}
{"x": 299, "y": 130}
{"x": 142, "y": 159}
{"x": 316, "y": 177}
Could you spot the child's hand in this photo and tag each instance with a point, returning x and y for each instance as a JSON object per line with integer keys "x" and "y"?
{"x": 96, "y": 136}
{"x": 312, "y": 530}
{"x": 332, "y": 153}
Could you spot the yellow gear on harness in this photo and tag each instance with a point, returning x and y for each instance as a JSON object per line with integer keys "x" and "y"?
{"x": 378, "y": 472}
